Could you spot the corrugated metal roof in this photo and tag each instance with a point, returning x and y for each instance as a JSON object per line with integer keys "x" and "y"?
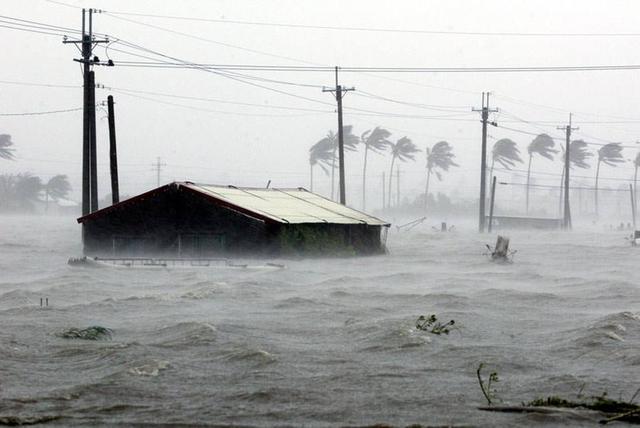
{"x": 287, "y": 205}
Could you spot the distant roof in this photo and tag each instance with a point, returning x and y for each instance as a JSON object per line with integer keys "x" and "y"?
{"x": 296, "y": 205}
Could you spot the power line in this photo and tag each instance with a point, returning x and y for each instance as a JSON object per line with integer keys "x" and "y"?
{"x": 376, "y": 29}
{"x": 49, "y": 85}
{"x": 215, "y": 111}
{"x": 214, "y": 100}
{"x": 39, "y": 113}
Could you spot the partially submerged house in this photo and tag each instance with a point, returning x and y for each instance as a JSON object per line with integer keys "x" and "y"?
{"x": 184, "y": 219}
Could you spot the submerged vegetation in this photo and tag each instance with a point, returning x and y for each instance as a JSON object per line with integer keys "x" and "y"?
{"x": 432, "y": 325}
{"x": 614, "y": 410}
{"x": 89, "y": 333}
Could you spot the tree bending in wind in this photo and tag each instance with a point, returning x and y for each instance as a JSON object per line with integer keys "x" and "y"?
{"x": 376, "y": 140}
{"x": 440, "y": 156}
{"x": 403, "y": 150}
{"x": 609, "y": 154}
{"x": 578, "y": 156}
{"x": 543, "y": 146}
{"x": 56, "y": 188}
{"x": 321, "y": 154}
{"x": 350, "y": 142}
{"x": 6, "y": 152}
{"x": 506, "y": 153}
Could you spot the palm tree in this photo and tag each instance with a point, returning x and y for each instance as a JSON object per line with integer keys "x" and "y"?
{"x": 403, "y": 150}
{"x": 321, "y": 154}
{"x": 578, "y": 156}
{"x": 542, "y": 145}
{"x": 506, "y": 153}
{"x": 57, "y": 187}
{"x": 377, "y": 141}
{"x": 609, "y": 154}
{"x": 350, "y": 142}
{"x": 440, "y": 156}
{"x": 5, "y": 143}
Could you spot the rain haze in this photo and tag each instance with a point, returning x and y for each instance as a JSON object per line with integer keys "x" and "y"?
{"x": 231, "y": 277}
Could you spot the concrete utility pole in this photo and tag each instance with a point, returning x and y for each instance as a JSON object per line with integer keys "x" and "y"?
{"x": 113, "y": 154}
{"x": 483, "y": 163}
{"x": 158, "y": 167}
{"x": 566, "y": 223}
{"x": 339, "y": 94}
{"x": 89, "y": 172}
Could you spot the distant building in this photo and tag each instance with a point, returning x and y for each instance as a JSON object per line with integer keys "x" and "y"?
{"x": 184, "y": 219}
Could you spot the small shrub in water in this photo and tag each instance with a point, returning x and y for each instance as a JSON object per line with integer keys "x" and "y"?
{"x": 489, "y": 394}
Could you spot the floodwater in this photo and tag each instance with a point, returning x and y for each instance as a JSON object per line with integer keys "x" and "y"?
{"x": 326, "y": 342}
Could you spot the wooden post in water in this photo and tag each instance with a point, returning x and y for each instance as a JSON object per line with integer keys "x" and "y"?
{"x": 493, "y": 198}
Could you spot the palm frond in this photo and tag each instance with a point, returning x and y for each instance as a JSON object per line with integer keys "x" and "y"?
{"x": 58, "y": 186}
{"x": 376, "y": 140}
{"x": 440, "y": 156}
{"x": 6, "y": 152}
{"x": 404, "y": 149}
{"x": 506, "y": 153}
{"x": 610, "y": 154}
{"x": 542, "y": 145}
{"x": 578, "y": 154}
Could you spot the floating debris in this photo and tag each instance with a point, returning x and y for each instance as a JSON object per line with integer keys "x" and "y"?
{"x": 432, "y": 325}
{"x": 89, "y": 333}
{"x": 613, "y": 410}
{"x": 500, "y": 253}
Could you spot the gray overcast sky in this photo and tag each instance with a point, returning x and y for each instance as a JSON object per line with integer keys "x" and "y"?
{"x": 248, "y": 145}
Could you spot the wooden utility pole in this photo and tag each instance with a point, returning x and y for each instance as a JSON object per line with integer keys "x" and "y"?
{"x": 339, "y": 94}
{"x": 93, "y": 164}
{"x": 89, "y": 173}
{"x": 113, "y": 154}
{"x": 566, "y": 222}
{"x": 158, "y": 167}
{"x": 483, "y": 162}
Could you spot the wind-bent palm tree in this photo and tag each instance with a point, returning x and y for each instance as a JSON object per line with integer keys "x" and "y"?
{"x": 350, "y": 142}
{"x": 377, "y": 141}
{"x": 543, "y": 146}
{"x": 57, "y": 187}
{"x": 321, "y": 154}
{"x": 403, "y": 150}
{"x": 6, "y": 152}
{"x": 578, "y": 156}
{"x": 609, "y": 154}
{"x": 440, "y": 156}
{"x": 506, "y": 153}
